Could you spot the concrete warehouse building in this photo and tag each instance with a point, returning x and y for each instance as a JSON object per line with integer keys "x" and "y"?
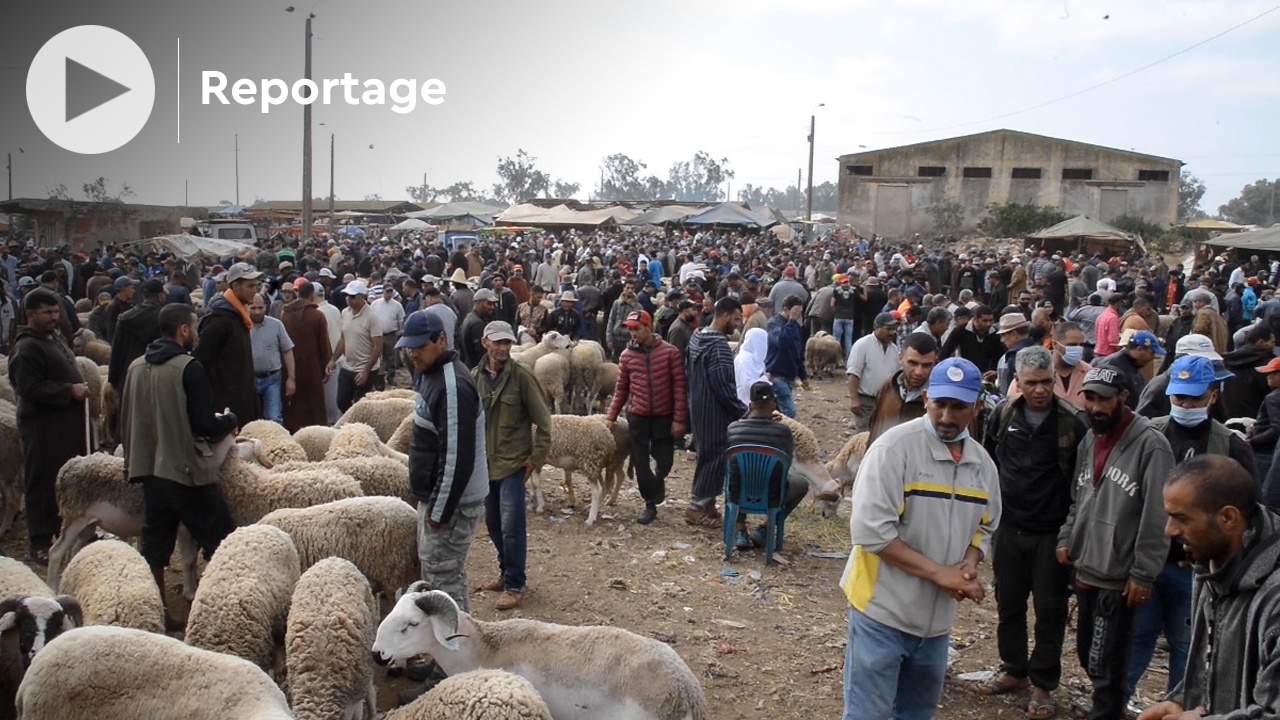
{"x": 889, "y": 192}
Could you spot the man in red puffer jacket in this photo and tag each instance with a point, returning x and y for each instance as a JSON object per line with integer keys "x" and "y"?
{"x": 651, "y": 383}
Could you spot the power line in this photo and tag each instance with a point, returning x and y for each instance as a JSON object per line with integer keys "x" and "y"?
{"x": 1091, "y": 88}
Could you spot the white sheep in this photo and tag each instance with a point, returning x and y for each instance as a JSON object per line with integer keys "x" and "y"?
{"x": 585, "y": 445}
{"x": 606, "y": 381}
{"x": 402, "y": 437}
{"x": 376, "y": 475}
{"x": 12, "y": 460}
{"x": 378, "y": 534}
{"x": 807, "y": 466}
{"x": 31, "y": 616}
{"x": 242, "y": 603}
{"x": 552, "y": 342}
{"x": 359, "y": 440}
{"x": 844, "y": 466}
{"x": 477, "y": 695}
{"x": 275, "y": 444}
{"x": 580, "y": 672}
{"x": 87, "y": 344}
{"x": 823, "y": 355}
{"x": 383, "y": 414}
{"x": 585, "y": 359}
{"x": 6, "y": 388}
{"x": 552, "y": 372}
{"x": 114, "y": 587}
{"x": 332, "y": 620}
{"x": 18, "y": 579}
{"x": 113, "y": 673}
{"x": 315, "y": 440}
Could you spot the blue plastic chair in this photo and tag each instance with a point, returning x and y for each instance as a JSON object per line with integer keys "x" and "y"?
{"x": 757, "y": 465}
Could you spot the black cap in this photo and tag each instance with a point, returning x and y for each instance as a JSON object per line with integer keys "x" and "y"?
{"x": 762, "y": 392}
{"x": 152, "y": 287}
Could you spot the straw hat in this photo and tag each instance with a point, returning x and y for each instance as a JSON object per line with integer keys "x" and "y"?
{"x": 460, "y": 278}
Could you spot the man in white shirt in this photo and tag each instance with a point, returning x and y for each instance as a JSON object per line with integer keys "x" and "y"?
{"x": 334, "y": 317}
{"x": 359, "y": 353}
{"x": 390, "y": 315}
{"x": 873, "y": 360}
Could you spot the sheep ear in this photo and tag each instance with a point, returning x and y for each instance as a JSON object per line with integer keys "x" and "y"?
{"x": 8, "y": 621}
{"x": 442, "y": 611}
{"x": 73, "y": 616}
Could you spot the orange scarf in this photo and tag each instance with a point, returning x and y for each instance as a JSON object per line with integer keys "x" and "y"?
{"x": 230, "y": 297}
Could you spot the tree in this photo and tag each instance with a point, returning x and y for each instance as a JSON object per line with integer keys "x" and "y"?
{"x": 947, "y": 215}
{"x": 519, "y": 179}
{"x": 562, "y": 189}
{"x": 96, "y": 191}
{"x": 375, "y": 197}
{"x": 422, "y": 193}
{"x": 699, "y": 179}
{"x": 1136, "y": 225}
{"x": 1190, "y": 191}
{"x": 620, "y": 178}
{"x": 1255, "y": 206}
{"x": 1017, "y": 220}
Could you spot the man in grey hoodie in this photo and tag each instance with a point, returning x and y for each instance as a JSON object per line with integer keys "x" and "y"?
{"x": 1114, "y": 533}
{"x": 1234, "y": 543}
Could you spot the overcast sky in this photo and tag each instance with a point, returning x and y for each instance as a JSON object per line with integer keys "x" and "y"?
{"x": 572, "y": 82}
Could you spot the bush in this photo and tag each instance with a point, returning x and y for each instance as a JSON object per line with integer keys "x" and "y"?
{"x": 1017, "y": 220}
{"x": 1138, "y": 226}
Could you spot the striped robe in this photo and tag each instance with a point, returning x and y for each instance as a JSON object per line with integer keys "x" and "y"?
{"x": 713, "y": 404}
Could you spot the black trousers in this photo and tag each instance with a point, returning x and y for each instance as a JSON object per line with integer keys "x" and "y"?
{"x": 651, "y": 438}
{"x": 1027, "y": 564}
{"x": 202, "y": 509}
{"x": 1104, "y": 634}
{"x": 349, "y": 393}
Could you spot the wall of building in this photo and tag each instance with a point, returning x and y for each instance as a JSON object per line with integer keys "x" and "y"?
{"x": 83, "y": 226}
{"x": 874, "y": 203}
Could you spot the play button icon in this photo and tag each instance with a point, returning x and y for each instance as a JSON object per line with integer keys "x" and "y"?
{"x": 87, "y": 89}
{"x": 90, "y": 89}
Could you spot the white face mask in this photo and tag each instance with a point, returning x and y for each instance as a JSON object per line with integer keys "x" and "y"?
{"x": 1188, "y": 417}
{"x": 1072, "y": 355}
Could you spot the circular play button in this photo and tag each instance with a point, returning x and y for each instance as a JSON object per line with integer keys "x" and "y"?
{"x": 90, "y": 89}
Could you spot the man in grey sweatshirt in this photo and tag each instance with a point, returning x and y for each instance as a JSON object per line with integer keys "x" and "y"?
{"x": 1114, "y": 533}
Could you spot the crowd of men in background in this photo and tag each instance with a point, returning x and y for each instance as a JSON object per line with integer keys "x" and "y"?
{"x": 1079, "y": 393}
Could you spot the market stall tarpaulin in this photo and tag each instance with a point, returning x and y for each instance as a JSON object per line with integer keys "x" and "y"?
{"x": 190, "y": 247}
{"x": 1085, "y": 234}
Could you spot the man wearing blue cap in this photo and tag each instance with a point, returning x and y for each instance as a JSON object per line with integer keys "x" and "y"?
{"x": 923, "y": 514}
{"x": 1139, "y": 352}
{"x": 1194, "y": 386}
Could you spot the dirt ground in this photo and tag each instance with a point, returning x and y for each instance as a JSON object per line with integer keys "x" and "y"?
{"x": 766, "y": 643}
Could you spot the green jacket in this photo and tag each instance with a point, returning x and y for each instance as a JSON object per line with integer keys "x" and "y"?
{"x": 512, "y": 407}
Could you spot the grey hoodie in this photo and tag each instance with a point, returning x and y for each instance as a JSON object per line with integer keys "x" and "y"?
{"x": 1236, "y": 614}
{"x": 1115, "y": 529}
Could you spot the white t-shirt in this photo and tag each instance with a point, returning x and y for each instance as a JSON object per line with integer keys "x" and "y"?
{"x": 390, "y": 314}
{"x": 873, "y": 363}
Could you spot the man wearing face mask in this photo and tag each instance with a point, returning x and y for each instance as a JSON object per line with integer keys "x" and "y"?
{"x": 1193, "y": 390}
{"x": 1114, "y": 533}
{"x": 1069, "y": 367}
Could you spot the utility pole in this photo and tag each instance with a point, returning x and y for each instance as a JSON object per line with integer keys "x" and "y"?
{"x": 237, "y": 168}
{"x": 808, "y": 207}
{"x": 306, "y": 144}
{"x": 10, "y": 168}
{"x": 423, "y": 198}
{"x": 1271, "y": 208}
{"x": 331, "y": 218}
{"x": 186, "y": 193}
{"x": 799, "y": 175}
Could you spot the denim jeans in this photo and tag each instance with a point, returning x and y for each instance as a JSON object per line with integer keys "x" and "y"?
{"x": 269, "y": 396}
{"x": 844, "y": 334}
{"x": 505, "y": 518}
{"x": 1168, "y": 610}
{"x": 786, "y": 403}
{"x": 889, "y": 674}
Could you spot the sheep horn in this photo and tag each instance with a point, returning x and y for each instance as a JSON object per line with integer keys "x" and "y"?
{"x": 442, "y": 611}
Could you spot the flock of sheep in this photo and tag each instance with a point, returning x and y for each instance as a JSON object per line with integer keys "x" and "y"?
{"x": 327, "y": 530}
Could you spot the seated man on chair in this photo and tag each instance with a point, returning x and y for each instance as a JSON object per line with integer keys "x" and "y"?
{"x": 762, "y": 425}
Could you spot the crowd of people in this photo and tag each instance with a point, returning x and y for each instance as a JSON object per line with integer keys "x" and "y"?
{"x": 1061, "y": 415}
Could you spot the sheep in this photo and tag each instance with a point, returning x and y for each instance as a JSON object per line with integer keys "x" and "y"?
{"x": 402, "y": 437}
{"x": 376, "y": 475}
{"x": 114, "y": 587}
{"x": 586, "y": 445}
{"x": 93, "y": 492}
{"x": 382, "y": 414}
{"x": 92, "y": 373}
{"x": 315, "y": 440}
{"x": 580, "y": 672}
{"x": 276, "y": 444}
{"x": 477, "y": 695}
{"x": 12, "y": 460}
{"x": 585, "y": 359}
{"x": 400, "y": 393}
{"x": 823, "y": 355}
{"x": 125, "y": 674}
{"x": 806, "y": 465}
{"x": 844, "y": 466}
{"x": 552, "y": 342}
{"x": 377, "y": 534}
{"x": 552, "y": 372}
{"x": 84, "y": 305}
{"x": 606, "y": 380}
{"x": 88, "y": 345}
{"x": 31, "y": 616}
{"x": 355, "y": 440}
{"x": 6, "y": 388}
{"x": 243, "y": 599}
{"x": 332, "y": 620}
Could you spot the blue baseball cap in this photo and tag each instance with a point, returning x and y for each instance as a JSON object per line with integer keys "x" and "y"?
{"x": 419, "y": 329}
{"x": 1145, "y": 339}
{"x": 1192, "y": 376}
{"x": 955, "y": 379}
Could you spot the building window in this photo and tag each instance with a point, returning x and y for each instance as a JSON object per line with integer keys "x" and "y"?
{"x": 1026, "y": 173}
{"x": 977, "y": 172}
{"x": 859, "y": 170}
{"x": 931, "y": 171}
{"x": 1077, "y": 173}
{"x": 1153, "y": 175}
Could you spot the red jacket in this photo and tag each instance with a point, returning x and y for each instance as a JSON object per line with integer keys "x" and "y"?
{"x": 652, "y": 383}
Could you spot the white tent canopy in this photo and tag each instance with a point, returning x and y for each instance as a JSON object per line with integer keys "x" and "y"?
{"x": 412, "y": 224}
{"x": 189, "y": 247}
